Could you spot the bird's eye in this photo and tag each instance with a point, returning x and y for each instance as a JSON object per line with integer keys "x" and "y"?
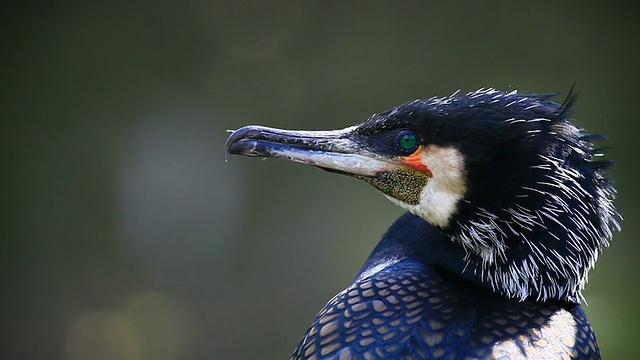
{"x": 407, "y": 141}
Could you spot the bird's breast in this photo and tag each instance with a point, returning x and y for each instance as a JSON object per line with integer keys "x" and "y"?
{"x": 410, "y": 311}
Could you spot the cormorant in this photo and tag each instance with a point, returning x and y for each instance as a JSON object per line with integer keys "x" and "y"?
{"x": 509, "y": 205}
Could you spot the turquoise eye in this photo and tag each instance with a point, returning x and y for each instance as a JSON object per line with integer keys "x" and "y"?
{"x": 407, "y": 141}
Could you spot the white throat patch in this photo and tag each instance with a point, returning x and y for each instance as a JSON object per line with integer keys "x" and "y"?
{"x": 439, "y": 198}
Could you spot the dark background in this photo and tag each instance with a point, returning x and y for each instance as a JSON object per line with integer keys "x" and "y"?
{"x": 126, "y": 235}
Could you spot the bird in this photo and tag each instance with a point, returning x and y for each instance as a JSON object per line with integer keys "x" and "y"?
{"x": 508, "y": 205}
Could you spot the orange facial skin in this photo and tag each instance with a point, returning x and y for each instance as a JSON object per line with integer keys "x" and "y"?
{"x": 415, "y": 161}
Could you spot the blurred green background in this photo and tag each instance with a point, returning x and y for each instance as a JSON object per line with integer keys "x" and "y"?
{"x": 127, "y": 236}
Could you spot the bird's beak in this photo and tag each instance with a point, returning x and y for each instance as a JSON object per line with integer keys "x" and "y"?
{"x": 334, "y": 151}
{"x": 330, "y": 150}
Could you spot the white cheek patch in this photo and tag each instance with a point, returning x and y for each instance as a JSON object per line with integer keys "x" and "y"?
{"x": 440, "y": 196}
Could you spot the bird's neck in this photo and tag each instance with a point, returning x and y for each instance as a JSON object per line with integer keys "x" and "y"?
{"x": 525, "y": 269}
{"x": 411, "y": 238}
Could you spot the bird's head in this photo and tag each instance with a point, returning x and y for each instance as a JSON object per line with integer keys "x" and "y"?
{"x": 507, "y": 176}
